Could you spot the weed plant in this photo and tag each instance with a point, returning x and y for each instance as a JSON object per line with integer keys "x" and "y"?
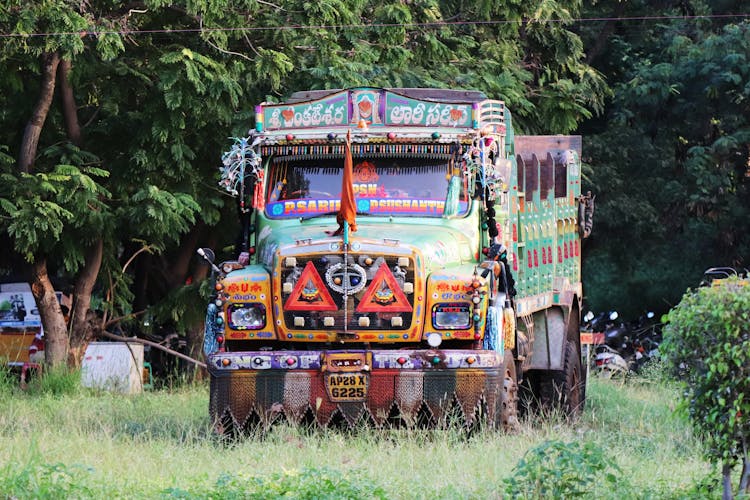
{"x": 63, "y": 442}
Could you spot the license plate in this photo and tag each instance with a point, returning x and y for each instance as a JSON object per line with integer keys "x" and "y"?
{"x": 347, "y": 386}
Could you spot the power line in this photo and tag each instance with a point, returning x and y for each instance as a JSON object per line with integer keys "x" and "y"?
{"x": 434, "y": 24}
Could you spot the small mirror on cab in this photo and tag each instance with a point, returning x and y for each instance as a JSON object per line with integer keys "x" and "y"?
{"x": 207, "y": 254}
{"x": 613, "y": 315}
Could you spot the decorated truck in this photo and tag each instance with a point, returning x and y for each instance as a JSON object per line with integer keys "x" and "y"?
{"x": 404, "y": 259}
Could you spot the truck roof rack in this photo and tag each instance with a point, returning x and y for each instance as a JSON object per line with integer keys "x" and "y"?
{"x": 440, "y": 95}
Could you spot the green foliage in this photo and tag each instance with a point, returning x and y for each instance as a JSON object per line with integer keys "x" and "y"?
{"x": 555, "y": 469}
{"x": 307, "y": 484}
{"x": 57, "y": 381}
{"x": 8, "y": 382}
{"x": 40, "y": 480}
{"x": 154, "y": 209}
{"x": 47, "y": 207}
{"x": 707, "y": 345}
{"x": 178, "y": 308}
{"x": 670, "y": 159}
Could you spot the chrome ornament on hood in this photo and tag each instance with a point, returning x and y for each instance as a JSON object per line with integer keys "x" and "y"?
{"x": 346, "y": 279}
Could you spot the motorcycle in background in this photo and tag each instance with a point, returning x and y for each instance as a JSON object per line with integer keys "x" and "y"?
{"x": 625, "y": 347}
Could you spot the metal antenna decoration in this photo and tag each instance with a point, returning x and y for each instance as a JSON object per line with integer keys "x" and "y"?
{"x": 238, "y": 164}
{"x": 347, "y": 215}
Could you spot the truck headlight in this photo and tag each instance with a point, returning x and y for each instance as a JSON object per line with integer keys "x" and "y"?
{"x": 247, "y": 316}
{"x": 453, "y": 316}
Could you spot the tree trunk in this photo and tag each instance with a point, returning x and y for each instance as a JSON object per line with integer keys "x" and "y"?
{"x": 194, "y": 334}
{"x": 180, "y": 267}
{"x": 726, "y": 475}
{"x": 50, "y": 62}
{"x": 69, "y": 107}
{"x": 604, "y": 35}
{"x": 55, "y": 333}
{"x": 194, "y": 341}
{"x": 745, "y": 476}
{"x": 81, "y": 331}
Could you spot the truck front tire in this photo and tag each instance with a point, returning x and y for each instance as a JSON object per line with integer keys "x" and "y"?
{"x": 564, "y": 389}
{"x": 509, "y": 404}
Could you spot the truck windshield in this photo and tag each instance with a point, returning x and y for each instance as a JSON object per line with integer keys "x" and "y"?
{"x": 382, "y": 187}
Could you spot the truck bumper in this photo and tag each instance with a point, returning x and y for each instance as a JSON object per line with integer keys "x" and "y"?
{"x": 408, "y": 386}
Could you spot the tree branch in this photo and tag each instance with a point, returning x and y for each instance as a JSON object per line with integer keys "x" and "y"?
{"x": 155, "y": 345}
{"x": 30, "y": 142}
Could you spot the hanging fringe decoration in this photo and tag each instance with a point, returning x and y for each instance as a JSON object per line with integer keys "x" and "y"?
{"x": 259, "y": 201}
{"x": 452, "y": 197}
{"x": 210, "y": 344}
{"x": 492, "y": 332}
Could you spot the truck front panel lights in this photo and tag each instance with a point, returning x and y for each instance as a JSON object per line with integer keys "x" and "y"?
{"x": 451, "y": 316}
{"x": 247, "y": 316}
{"x": 434, "y": 340}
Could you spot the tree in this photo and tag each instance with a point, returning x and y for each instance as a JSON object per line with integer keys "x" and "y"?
{"x": 707, "y": 346}
{"x": 59, "y": 212}
{"x": 670, "y": 157}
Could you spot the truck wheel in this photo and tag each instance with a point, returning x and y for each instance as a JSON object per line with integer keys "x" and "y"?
{"x": 564, "y": 389}
{"x": 559, "y": 389}
{"x": 574, "y": 332}
{"x": 509, "y": 405}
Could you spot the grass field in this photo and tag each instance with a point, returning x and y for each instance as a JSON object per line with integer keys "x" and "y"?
{"x": 60, "y": 441}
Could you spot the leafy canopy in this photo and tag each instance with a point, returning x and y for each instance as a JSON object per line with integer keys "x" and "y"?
{"x": 670, "y": 163}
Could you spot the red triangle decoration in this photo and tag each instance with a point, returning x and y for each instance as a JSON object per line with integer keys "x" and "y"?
{"x": 384, "y": 294}
{"x": 310, "y": 294}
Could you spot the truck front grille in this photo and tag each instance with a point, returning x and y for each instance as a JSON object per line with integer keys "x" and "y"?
{"x": 363, "y": 293}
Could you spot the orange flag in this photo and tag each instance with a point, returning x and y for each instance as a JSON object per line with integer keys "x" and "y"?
{"x": 348, "y": 210}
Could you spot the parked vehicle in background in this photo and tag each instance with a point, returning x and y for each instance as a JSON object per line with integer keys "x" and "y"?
{"x": 21, "y": 334}
{"x": 624, "y": 347}
{"x": 404, "y": 254}
{"x": 715, "y": 276}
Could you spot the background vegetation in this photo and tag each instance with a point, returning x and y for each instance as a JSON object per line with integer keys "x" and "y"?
{"x": 629, "y": 443}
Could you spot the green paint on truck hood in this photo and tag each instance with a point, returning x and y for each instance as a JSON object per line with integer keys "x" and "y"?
{"x": 443, "y": 243}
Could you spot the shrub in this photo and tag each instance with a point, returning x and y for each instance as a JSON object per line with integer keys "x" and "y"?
{"x": 707, "y": 346}
{"x": 560, "y": 470}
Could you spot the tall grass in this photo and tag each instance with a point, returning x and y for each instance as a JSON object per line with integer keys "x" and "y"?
{"x": 76, "y": 443}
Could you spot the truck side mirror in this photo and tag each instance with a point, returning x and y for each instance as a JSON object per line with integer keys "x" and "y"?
{"x": 209, "y": 256}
